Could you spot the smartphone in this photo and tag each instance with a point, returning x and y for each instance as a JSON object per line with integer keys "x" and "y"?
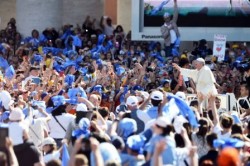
{"x": 36, "y": 80}
{"x": 4, "y": 132}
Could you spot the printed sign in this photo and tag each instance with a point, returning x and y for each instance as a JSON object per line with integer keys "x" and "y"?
{"x": 219, "y": 47}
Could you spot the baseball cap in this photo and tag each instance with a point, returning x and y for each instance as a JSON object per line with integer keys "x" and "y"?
{"x": 48, "y": 141}
{"x": 132, "y": 101}
{"x": 157, "y": 95}
{"x": 181, "y": 95}
{"x": 162, "y": 121}
{"x": 16, "y": 114}
{"x": 81, "y": 107}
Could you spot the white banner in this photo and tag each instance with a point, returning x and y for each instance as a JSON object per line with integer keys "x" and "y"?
{"x": 219, "y": 47}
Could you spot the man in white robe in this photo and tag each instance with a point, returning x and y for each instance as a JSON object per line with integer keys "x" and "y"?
{"x": 204, "y": 79}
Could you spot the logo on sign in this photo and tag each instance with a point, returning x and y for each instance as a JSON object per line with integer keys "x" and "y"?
{"x": 219, "y": 47}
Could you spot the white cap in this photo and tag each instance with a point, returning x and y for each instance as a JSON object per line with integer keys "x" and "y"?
{"x": 16, "y": 114}
{"x": 132, "y": 101}
{"x": 181, "y": 95}
{"x": 162, "y": 121}
{"x": 200, "y": 60}
{"x": 81, "y": 107}
{"x": 157, "y": 95}
{"x": 48, "y": 141}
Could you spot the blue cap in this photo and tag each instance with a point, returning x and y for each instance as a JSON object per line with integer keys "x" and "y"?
{"x": 84, "y": 125}
{"x": 136, "y": 143}
{"x": 43, "y": 95}
{"x": 126, "y": 127}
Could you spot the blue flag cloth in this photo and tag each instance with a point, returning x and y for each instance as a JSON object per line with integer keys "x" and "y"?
{"x": 68, "y": 64}
{"x": 3, "y": 63}
{"x": 97, "y": 88}
{"x": 10, "y": 72}
{"x": 65, "y": 155}
{"x": 72, "y": 101}
{"x": 74, "y": 92}
{"x": 42, "y": 39}
{"x": 69, "y": 79}
{"x": 120, "y": 70}
{"x": 185, "y": 110}
{"x": 77, "y": 41}
{"x": 136, "y": 143}
{"x": 38, "y": 58}
{"x": 58, "y": 100}
{"x": 229, "y": 142}
{"x": 55, "y": 51}
{"x": 2, "y": 49}
{"x": 83, "y": 130}
{"x": 122, "y": 97}
{"x": 157, "y": 9}
{"x": 83, "y": 70}
{"x": 101, "y": 39}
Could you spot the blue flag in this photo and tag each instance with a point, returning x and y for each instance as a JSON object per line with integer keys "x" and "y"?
{"x": 3, "y": 63}
{"x": 10, "y": 72}
{"x": 65, "y": 156}
{"x": 185, "y": 110}
{"x": 157, "y": 9}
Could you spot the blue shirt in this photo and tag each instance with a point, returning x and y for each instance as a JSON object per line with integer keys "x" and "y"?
{"x": 168, "y": 155}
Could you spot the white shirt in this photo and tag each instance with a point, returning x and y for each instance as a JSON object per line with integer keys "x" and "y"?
{"x": 36, "y": 131}
{"x": 218, "y": 130}
{"x": 16, "y": 130}
{"x": 204, "y": 80}
{"x": 56, "y": 131}
{"x": 52, "y": 156}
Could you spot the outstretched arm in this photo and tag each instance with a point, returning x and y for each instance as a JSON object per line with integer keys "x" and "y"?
{"x": 175, "y": 16}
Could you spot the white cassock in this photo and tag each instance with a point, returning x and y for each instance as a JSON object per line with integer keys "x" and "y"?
{"x": 204, "y": 79}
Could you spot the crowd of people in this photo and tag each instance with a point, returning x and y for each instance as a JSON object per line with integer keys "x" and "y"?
{"x": 92, "y": 91}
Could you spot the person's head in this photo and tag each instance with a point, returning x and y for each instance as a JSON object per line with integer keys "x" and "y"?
{"x": 210, "y": 139}
{"x": 229, "y": 156}
{"x": 167, "y": 17}
{"x": 203, "y": 128}
{"x": 199, "y": 63}
{"x": 54, "y": 162}
{"x": 217, "y": 102}
{"x": 48, "y": 145}
{"x": 81, "y": 160}
{"x": 109, "y": 21}
{"x": 3, "y": 159}
{"x": 119, "y": 28}
{"x": 156, "y": 98}
{"x": 118, "y": 143}
{"x": 237, "y": 129}
{"x": 226, "y": 121}
{"x": 104, "y": 112}
{"x": 135, "y": 144}
{"x": 34, "y": 71}
{"x": 95, "y": 99}
{"x": 81, "y": 111}
{"x": 132, "y": 103}
{"x": 35, "y": 33}
{"x": 162, "y": 126}
{"x": 244, "y": 90}
{"x": 16, "y": 115}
